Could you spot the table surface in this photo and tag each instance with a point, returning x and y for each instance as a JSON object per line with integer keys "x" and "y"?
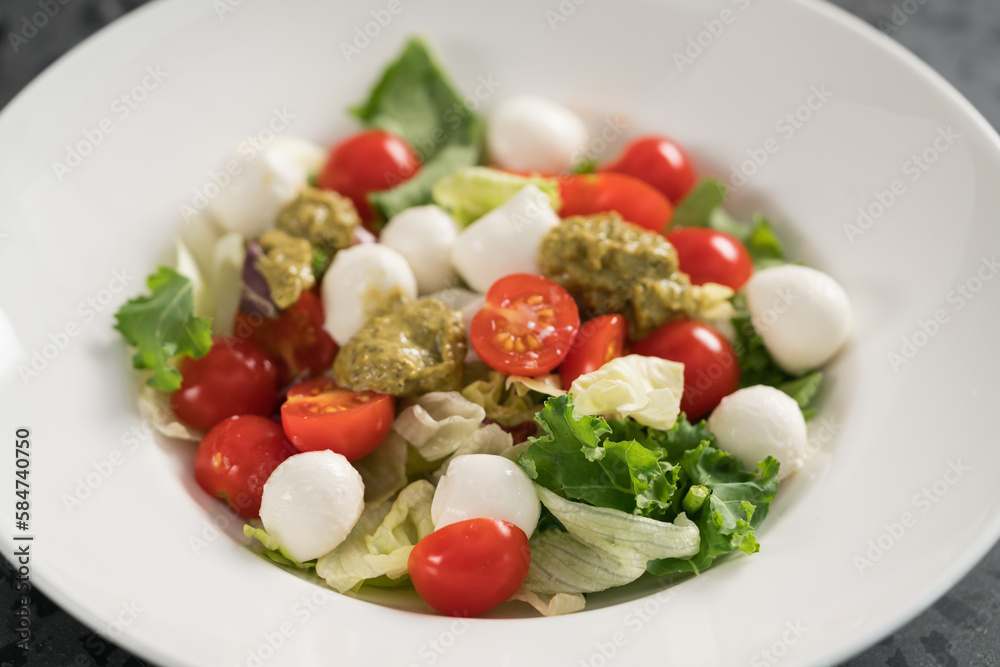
{"x": 958, "y": 38}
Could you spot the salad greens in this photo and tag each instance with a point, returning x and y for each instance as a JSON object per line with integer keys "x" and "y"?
{"x": 163, "y": 326}
{"x": 472, "y": 192}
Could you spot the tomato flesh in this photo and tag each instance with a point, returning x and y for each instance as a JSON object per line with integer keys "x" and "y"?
{"x": 234, "y": 378}
{"x": 659, "y": 161}
{"x": 710, "y": 256}
{"x": 295, "y": 341}
{"x": 321, "y": 415}
{"x": 368, "y": 162}
{"x": 236, "y": 457}
{"x": 636, "y": 201}
{"x": 711, "y": 367}
{"x": 599, "y": 341}
{"x": 526, "y": 326}
{"x": 469, "y": 567}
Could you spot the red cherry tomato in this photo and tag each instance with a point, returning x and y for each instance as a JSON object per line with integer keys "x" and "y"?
{"x": 295, "y": 341}
{"x": 235, "y": 459}
{"x": 636, "y": 201}
{"x": 708, "y": 256}
{"x": 320, "y": 415}
{"x": 234, "y": 378}
{"x": 599, "y": 341}
{"x": 711, "y": 368}
{"x": 368, "y": 162}
{"x": 471, "y": 566}
{"x": 526, "y": 326}
{"x": 661, "y": 163}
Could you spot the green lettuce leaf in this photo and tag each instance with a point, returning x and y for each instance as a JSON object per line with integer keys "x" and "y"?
{"x": 470, "y": 193}
{"x": 273, "y": 550}
{"x": 164, "y": 328}
{"x": 508, "y": 407}
{"x": 414, "y": 100}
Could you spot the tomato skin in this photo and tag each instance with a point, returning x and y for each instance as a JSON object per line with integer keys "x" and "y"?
{"x": 234, "y": 378}
{"x": 369, "y": 161}
{"x": 526, "y": 326}
{"x": 709, "y": 256}
{"x": 711, "y": 368}
{"x": 469, "y": 567}
{"x": 321, "y": 415}
{"x": 235, "y": 459}
{"x": 295, "y": 341}
{"x": 599, "y": 341}
{"x": 636, "y": 201}
{"x": 660, "y": 162}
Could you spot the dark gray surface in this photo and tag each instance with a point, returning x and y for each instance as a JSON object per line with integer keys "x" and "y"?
{"x": 959, "y": 38}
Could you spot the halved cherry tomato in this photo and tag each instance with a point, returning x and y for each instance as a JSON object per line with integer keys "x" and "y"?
{"x": 236, "y": 457}
{"x": 526, "y": 326}
{"x": 708, "y": 256}
{"x": 599, "y": 341}
{"x": 234, "y": 378}
{"x": 469, "y": 567}
{"x": 295, "y": 341}
{"x": 660, "y": 162}
{"x": 368, "y": 162}
{"x": 321, "y": 415}
{"x": 711, "y": 368}
{"x": 636, "y": 201}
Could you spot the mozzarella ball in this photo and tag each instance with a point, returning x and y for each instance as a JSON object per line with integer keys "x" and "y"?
{"x": 249, "y": 202}
{"x": 485, "y": 486}
{"x": 760, "y": 421}
{"x": 802, "y": 315}
{"x": 529, "y": 133}
{"x": 311, "y": 502}
{"x": 424, "y": 236}
{"x": 358, "y": 281}
{"x": 505, "y": 240}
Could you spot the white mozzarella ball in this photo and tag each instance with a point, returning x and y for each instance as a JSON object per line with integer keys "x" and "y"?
{"x": 760, "y": 421}
{"x": 311, "y": 502}
{"x": 357, "y": 282}
{"x": 424, "y": 236}
{"x": 802, "y": 315}
{"x": 530, "y": 133}
{"x": 504, "y": 241}
{"x": 250, "y": 201}
{"x": 485, "y": 486}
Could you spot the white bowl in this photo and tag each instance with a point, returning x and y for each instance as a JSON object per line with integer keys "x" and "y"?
{"x": 897, "y": 503}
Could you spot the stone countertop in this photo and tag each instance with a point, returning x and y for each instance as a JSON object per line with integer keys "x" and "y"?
{"x": 958, "y": 38}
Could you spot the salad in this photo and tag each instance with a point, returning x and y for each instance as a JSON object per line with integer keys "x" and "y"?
{"x": 453, "y": 352}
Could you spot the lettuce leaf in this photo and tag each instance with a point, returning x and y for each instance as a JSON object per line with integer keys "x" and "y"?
{"x": 437, "y": 423}
{"x": 470, "y": 193}
{"x": 273, "y": 550}
{"x": 648, "y": 389}
{"x": 164, "y": 328}
{"x": 507, "y": 406}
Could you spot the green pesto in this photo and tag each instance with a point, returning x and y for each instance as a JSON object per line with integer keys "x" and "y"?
{"x": 322, "y": 217}
{"x": 411, "y": 348}
{"x": 612, "y": 266}
{"x": 287, "y": 266}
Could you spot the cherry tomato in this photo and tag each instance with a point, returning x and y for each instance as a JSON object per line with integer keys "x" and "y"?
{"x": 711, "y": 368}
{"x": 471, "y": 566}
{"x": 234, "y": 378}
{"x": 368, "y": 162}
{"x": 636, "y": 201}
{"x": 321, "y": 415}
{"x": 236, "y": 457}
{"x": 661, "y": 163}
{"x": 526, "y": 326}
{"x": 599, "y": 341}
{"x": 295, "y": 341}
{"x": 708, "y": 256}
